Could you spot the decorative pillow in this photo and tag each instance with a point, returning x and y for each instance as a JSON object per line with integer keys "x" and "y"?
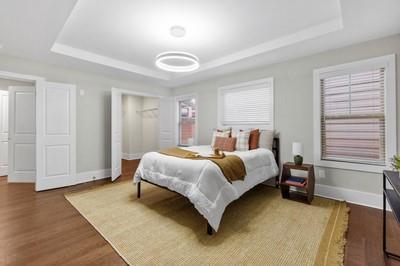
{"x": 225, "y": 130}
{"x": 266, "y": 139}
{"x": 242, "y": 142}
{"x": 254, "y": 139}
{"x": 224, "y": 134}
{"x": 225, "y": 144}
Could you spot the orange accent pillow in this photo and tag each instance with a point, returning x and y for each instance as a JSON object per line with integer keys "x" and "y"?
{"x": 225, "y": 144}
{"x": 254, "y": 140}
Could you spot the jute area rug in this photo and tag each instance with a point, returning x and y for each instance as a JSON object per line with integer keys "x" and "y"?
{"x": 260, "y": 228}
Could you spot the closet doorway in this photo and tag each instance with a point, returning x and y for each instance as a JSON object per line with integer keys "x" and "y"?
{"x": 37, "y": 127}
{"x": 20, "y": 168}
{"x": 135, "y": 129}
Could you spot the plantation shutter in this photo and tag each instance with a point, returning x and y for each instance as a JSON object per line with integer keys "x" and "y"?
{"x": 353, "y": 117}
{"x": 248, "y": 105}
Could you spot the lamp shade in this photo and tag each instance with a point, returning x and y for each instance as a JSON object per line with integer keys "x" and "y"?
{"x": 297, "y": 149}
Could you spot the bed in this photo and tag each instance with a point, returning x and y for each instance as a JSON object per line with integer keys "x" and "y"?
{"x": 203, "y": 183}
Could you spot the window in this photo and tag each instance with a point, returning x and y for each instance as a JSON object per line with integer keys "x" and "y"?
{"x": 355, "y": 115}
{"x": 247, "y": 104}
{"x": 187, "y": 113}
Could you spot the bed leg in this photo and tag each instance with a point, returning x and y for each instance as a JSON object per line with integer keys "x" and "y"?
{"x": 210, "y": 230}
{"x": 138, "y": 189}
{"x": 277, "y": 181}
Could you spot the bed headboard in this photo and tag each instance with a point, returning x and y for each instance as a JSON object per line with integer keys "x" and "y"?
{"x": 275, "y": 150}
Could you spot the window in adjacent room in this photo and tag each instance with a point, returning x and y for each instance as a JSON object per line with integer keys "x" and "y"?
{"x": 187, "y": 113}
{"x": 355, "y": 119}
{"x": 247, "y": 105}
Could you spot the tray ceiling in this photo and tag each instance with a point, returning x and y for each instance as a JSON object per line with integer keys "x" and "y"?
{"x": 123, "y": 37}
{"x": 131, "y": 33}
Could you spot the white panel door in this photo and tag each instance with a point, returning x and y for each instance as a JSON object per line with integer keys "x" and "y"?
{"x": 116, "y": 133}
{"x": 22, "y": 136}
{"x": 168, "y": 126}
{"x": 56, "y": 135}
{"x": 3, "y": 133}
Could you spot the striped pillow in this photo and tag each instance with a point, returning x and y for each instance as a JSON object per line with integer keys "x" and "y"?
{"x": 225, "y": 144}
{"x": 242, "y": 140}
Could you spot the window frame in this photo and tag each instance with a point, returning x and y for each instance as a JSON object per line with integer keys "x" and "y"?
{"x": 178, "y": 99}
{"x": 242, "y": 87}
{"x": 389, "y": 63}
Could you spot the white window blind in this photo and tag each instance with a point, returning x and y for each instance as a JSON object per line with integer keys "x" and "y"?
{"x": 353, "y": 117}
{"x": 247, "y": 104}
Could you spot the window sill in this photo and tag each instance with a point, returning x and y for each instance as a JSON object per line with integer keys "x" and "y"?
{"x": 350, "y": 166}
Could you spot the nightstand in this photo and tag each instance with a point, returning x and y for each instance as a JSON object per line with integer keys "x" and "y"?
{"x": 307, "y": 187}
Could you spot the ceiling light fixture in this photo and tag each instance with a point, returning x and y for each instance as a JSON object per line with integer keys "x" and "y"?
{"x": 177, "y": 31}
{"x": 177, "y": 62}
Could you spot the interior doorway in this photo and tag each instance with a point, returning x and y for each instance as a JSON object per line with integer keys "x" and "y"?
{"x": 41, "y": 131}
{"x": 140, "y": 129}
{"x": 135, "y": 128}
{"x": 17, "y": 118}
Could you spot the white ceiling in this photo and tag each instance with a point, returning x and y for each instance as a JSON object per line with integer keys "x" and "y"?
{"x": 123, "y": 37}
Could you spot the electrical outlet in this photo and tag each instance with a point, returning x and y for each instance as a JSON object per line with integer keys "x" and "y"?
{"x": 321, "y": 173}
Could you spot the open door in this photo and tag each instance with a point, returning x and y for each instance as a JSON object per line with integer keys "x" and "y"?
{"x": 116, "y": 133}
{"x": 55, "y": 135}
{"x": 22, "y": 134}
{"x": 167, "y": 115}
{"x": 3, "y": 133}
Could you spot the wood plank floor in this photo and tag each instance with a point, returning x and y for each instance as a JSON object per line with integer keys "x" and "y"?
{"x": 44, "y": 229}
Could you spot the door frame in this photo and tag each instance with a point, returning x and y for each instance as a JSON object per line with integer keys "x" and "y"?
{"x": 22, "y": 77}
{"x": 126, "y": 92}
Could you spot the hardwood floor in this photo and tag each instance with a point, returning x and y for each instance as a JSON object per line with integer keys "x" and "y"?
{"x": 44, "y": 229}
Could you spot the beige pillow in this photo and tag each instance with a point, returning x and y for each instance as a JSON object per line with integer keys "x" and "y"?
{"x": 266, "y": 139}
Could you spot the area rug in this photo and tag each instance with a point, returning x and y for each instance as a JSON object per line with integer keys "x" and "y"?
{"x": 260, "y": 228}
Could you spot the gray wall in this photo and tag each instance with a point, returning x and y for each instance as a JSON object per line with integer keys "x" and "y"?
{"x": 131, "y": 124}
{"x": 93, "y": 109}
{"x": 150, "y": 125}
{"x": 293, "y": 91}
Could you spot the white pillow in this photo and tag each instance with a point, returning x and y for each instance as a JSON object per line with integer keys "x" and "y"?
{"x": 266, "y": 139}
{"x": 224, "y": 134}
{"x": 242, "y": 140}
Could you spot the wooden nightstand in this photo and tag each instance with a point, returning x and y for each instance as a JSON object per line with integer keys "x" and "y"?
{"x": 307, "y": 187}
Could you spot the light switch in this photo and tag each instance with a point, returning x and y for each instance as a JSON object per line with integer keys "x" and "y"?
{"x": 321, "y": 173}
{"x": 81, "y": 92}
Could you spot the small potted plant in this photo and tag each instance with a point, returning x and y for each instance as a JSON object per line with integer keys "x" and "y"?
{"x": 395, "y": 162}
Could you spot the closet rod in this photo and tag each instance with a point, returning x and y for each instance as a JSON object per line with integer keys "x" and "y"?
{"x": 147, "y": 110}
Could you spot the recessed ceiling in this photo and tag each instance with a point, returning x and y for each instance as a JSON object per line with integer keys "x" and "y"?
{"x": 135, "y": 32}
{"x": 123, "y": 37}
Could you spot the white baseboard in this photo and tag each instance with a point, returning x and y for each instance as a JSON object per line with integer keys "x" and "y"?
{"x": 21, "y": 180}
{"x": 349, "y": 195}
{"x": 92, "y": 175}
{"x": 132, "y": 156}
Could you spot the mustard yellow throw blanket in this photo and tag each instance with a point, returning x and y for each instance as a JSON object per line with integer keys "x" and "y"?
{"x": 231, "y": 165}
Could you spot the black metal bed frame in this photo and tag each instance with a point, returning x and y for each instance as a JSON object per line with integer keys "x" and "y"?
{"x": 210, "y": 230}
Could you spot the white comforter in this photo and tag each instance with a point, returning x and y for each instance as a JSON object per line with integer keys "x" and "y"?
{"x": 202, "y": 181}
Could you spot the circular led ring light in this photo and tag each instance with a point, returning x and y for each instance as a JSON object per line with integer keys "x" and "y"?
{"x": 183, "y": 56}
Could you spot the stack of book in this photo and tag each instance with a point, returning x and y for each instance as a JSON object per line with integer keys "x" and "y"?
{"x": 296, "y": 181}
